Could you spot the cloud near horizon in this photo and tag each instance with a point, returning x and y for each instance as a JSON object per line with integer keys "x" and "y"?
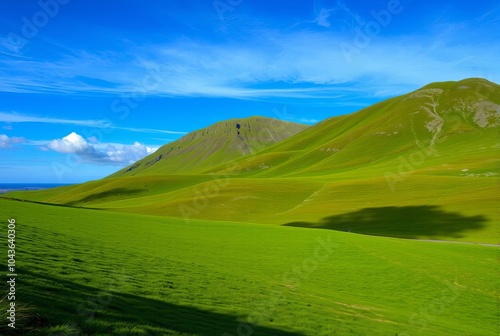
{"x": 90, "y": 152}
{"x": 7, "y": 142}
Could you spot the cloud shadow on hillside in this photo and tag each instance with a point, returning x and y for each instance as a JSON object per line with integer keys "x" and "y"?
{"x": 420, "y": 221}
{"x": 96, "y": 310}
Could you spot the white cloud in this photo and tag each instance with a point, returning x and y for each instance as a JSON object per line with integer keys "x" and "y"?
{"x": 107, "y": 154}
{"x": 72, "y": 143}
{"x": 7, "y": 142}
{"x": 129, "y": 153}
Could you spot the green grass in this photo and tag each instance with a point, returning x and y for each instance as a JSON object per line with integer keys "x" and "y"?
{"x": 472, "y": 202}
{"x": 104, "y": 273}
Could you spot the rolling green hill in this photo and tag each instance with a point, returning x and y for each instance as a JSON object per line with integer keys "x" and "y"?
{"x": 217, "y": 144}
{"x": 441, "y": 123}
{"x": 422, "y": 165}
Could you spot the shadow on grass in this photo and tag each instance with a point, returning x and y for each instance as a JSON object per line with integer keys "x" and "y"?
{"x": 99, "y": 311}
{"x": 103, "y": 195}
{"x": 423, "y": 221}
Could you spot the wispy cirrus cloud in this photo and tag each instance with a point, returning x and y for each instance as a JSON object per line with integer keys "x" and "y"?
{"x": 269, "y": 63}
{"x": 148, "y": 130}
{"x": 23, "y": 118}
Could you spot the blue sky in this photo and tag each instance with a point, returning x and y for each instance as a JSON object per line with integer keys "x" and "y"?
{"x": 88, "y": 87}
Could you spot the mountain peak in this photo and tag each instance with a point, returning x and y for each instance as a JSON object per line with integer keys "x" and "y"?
{"x": 213, "y": 145}
{"x": 475, "y": 83}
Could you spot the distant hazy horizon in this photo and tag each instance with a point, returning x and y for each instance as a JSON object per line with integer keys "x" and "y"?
{"x": 6, "y": 187}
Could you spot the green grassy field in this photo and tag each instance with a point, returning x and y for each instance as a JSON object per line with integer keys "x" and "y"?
{"x": 448, "y": 207}
{"x": 95, "y": 272}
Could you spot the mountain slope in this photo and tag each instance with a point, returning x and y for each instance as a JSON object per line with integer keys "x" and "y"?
{"x": 216, "y": 144}
{"x": 450, "y": 121}
{"x": 434, "y": 150}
